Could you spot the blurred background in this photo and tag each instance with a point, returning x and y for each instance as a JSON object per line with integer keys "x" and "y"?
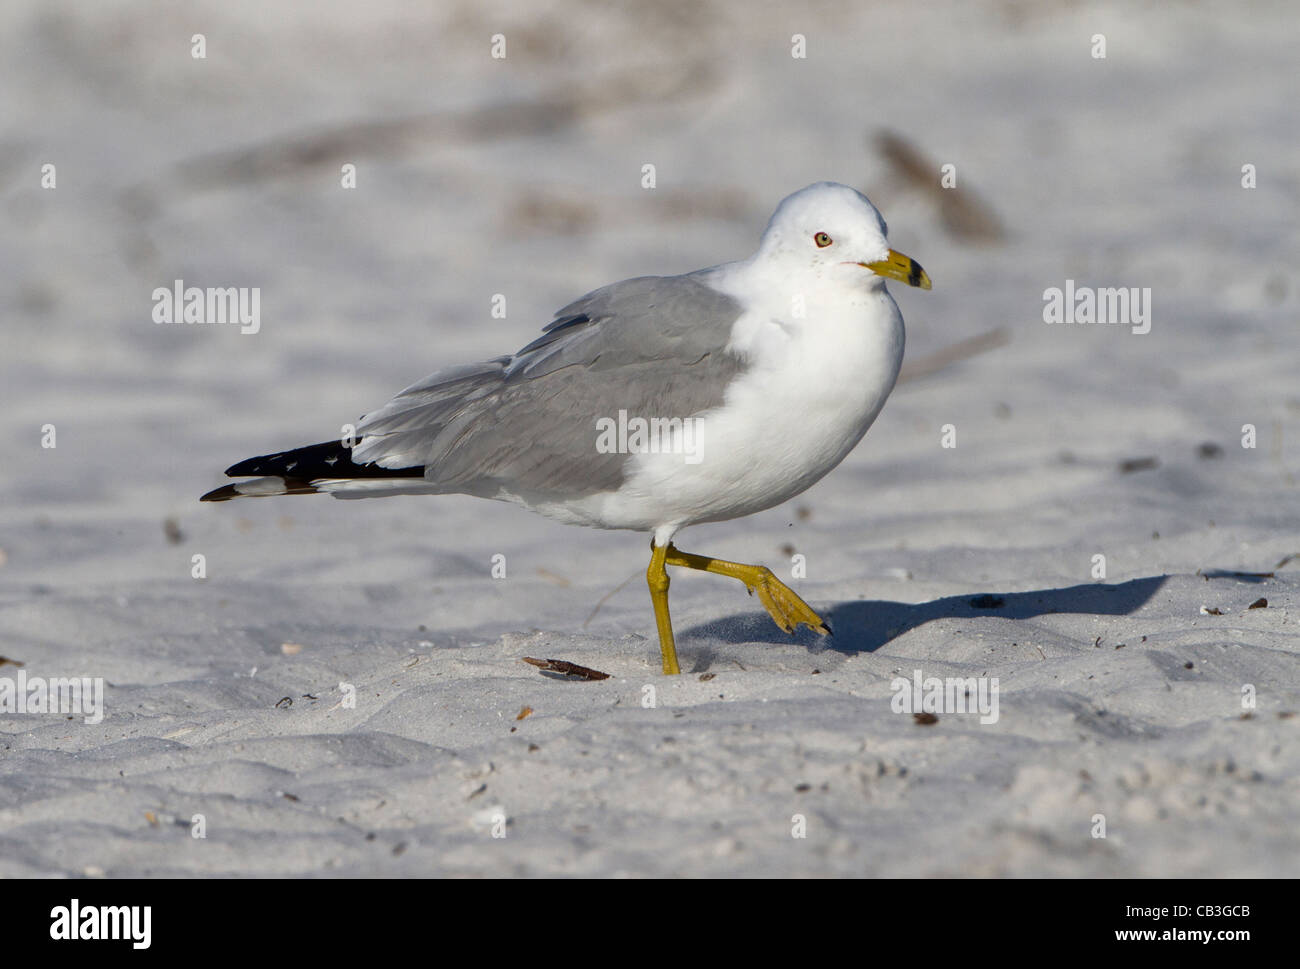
{"x": 523, "y": 176}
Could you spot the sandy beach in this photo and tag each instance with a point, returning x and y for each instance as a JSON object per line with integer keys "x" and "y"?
{"x": 1096, "y": 520}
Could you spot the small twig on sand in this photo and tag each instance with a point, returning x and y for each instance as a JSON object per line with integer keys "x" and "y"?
{"x": 565, "y": 667}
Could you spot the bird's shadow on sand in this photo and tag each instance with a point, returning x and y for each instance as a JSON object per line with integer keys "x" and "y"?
{"x": 866, "y": 625}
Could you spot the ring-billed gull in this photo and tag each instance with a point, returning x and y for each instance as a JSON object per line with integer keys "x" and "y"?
{"x": 656, "y": 402}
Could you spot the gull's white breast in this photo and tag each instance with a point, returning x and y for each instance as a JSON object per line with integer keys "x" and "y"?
{"x": 812, "y": 388}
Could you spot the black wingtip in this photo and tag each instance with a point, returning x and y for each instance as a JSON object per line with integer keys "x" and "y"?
{"x": 331, "y": 459}
{"x": 224, "y": 493}
{"x": 298, "y": 468}
{"x": 287, "y": 486}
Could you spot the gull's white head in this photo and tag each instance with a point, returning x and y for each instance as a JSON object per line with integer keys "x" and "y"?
{"x": 835, "y": 232}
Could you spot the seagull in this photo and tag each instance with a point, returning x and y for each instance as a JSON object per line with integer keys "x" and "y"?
{"x": 655, "y": 403}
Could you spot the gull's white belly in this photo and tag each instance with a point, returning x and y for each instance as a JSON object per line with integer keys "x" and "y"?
{"x": 809, "y": 396}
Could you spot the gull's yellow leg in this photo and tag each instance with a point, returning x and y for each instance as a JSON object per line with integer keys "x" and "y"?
{"x": 780, "y": 601}
{"x": 657, "y": 578}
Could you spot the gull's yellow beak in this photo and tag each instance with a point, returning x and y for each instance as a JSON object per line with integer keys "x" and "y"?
{"x": 900, "y": 267}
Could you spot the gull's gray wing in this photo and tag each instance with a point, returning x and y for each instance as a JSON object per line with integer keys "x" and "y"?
{"x": 651, "y": 346}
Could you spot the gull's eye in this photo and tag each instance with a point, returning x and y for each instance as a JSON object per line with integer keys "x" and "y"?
{"x": 822, "y": 240}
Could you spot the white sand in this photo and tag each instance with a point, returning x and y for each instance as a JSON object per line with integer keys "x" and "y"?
{"x": 1115, "y": 172}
